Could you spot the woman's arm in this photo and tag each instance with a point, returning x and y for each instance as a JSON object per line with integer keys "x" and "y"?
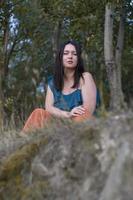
{"x": 88, "y": 92}
{"x": 49, "y": 101}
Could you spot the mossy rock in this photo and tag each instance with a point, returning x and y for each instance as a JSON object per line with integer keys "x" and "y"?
{"x": 15, "y": 170}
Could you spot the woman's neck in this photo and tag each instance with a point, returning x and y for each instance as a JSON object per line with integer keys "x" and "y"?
{"x": 69, "y": 75}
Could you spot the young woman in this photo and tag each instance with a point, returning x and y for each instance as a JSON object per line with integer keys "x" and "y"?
{"x": 71, "y": 92}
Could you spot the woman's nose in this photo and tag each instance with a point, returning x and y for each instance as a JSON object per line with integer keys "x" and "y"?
{"x": 70, "y": 55}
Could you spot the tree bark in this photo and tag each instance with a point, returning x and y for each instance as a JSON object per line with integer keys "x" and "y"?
{"x": 1, "y": 90}
{"x": 5, "y": 44}
{"x": 3, "y": 67}
{"x": 113, "y": 62}
{"x": 55, "y": 38}
{"x": 118, "y": 54}
{"x": 108, "y": 54}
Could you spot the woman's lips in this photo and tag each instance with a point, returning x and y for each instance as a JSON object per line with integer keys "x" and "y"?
{"x": 70, "y": 62}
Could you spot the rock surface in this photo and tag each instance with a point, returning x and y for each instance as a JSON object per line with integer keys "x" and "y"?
{"x": 92, "y": 160}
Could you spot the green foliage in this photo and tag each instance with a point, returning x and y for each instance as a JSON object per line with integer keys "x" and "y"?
{"x": 30, "y": 48}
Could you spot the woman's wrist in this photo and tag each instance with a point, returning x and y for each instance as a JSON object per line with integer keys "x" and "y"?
{"x": 67, "y": 114}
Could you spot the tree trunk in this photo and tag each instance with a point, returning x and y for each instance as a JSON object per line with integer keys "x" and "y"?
{"x": 118, "y": 54}
{"x": 5, "y": 43}
{"x": 1, "y": 91}
{"x": 110, "y": 60}
{"x": 3, "y": 68}
{"x": 108, "y": 54}
{"x": 56, "y": 37}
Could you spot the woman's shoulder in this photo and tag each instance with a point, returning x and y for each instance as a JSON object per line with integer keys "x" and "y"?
{"x": 50, "y": 82}
{"x": 86, "y": 76}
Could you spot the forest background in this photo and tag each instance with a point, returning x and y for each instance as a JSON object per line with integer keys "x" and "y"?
{"x": 30, "y": 34}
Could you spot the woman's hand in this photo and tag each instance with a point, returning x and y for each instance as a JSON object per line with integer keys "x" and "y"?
{"x": 77, "y": 111}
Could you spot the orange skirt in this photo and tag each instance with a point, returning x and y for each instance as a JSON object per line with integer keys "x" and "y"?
{"x": 39, "y": 117}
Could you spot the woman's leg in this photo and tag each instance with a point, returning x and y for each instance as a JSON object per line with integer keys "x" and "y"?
{"x": 37, "y": 119}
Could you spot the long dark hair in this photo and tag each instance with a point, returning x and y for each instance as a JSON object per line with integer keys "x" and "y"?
{"x": 59, "y": 69}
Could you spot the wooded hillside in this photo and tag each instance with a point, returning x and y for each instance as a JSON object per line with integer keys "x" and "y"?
{"x": 30, "y": 33}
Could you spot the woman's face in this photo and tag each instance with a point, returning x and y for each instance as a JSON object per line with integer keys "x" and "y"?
{"x": 70, "y": 58}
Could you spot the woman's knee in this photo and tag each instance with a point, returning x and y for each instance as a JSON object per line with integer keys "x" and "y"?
{"x": 38, "y": 110}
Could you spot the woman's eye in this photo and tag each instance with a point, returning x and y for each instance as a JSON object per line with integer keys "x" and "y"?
{"x": 67, "y": 53}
